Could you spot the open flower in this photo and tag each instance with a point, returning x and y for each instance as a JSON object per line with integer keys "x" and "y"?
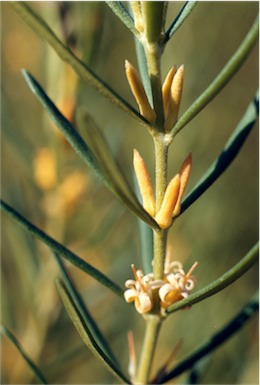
{"x": 177, "y": 284}
{"x": 174, "y": 286}
{"x": 140, "y": 290}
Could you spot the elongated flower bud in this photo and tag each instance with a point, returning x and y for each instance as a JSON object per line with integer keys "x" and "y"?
{"x": 144, "y": 183}
{"x": 184, "y": 177}
{"x": 138, "y": 91}
{"x": 166, "y": 89}
{"x": 175, "y": 99}
{"x": 164, "y": 216}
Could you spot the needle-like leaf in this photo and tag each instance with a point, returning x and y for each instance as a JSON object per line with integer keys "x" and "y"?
{"x": 231, "y": 149}
{"x": 84, "y": 312}
{"x": 62, "y": 250}
{"x": 40, "y": 27}
{"x": 28, "y": 360}
{"x": 221, "y": 283}
{"x": 85, "y": 332}
{"x": 215, "y": 341}
{"x": 120, "y": 11}
{"x": 222, "y": 78}
{"x": 103, "y": 163}
{"x": 180, "y": 18}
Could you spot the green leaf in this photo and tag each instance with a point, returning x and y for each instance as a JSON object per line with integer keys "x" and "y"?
{"x": 28, "y": 360}
{"x": 222, "y": 78}
{"x": 231, "y": 149}
{"x": 85, "y": 333}
{"x": 221, "y": 283}
{"x": 110, "y": 169}
{"x": 120, "y": 11}
{"x": 40, "y": 27}
{"x": 62, "y": 250}
{"x": 84, "y": 312}
{"x": 146, "y": 240}
{"x": 180, "y": 18}
{"x": 63, "y": 124}
{"x": 103, "y": 164}
{"x": 215, "y": 341}
{"x": 143, "y": 69}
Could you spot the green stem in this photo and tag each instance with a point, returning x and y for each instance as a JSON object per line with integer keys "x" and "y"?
{"x": 161, "y": 160}
{"x": 160, "y": 240}
{"x": 41, "y": 28}
{"x": 160, "y": 237}
{"x": 153, "y": 55}
{"x": 153, "y": 323}
{"x": 153, "y": 28}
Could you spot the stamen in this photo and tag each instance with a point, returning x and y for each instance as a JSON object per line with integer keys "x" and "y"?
{"x": 195, "y": 264}
{"x": 135, "y": 272}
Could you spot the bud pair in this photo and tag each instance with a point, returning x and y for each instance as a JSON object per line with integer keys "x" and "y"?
{"x": 171, "y": 205}
{"x": 171, "y": 93}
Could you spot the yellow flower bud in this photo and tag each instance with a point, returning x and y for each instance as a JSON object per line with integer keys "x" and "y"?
{"x": 138, "y": 91}
{"x": 184, "y": 177}
{"x": 164, "y": 216}
{"x": 166, "y": 89}
{"x": 175, "y": 99}
{"x": 144, "y": 183}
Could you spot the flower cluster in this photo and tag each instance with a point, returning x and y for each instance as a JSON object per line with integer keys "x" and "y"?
{"x": 174, "y": 286}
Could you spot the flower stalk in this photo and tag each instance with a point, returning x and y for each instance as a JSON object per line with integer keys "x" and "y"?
{"x": 153, "y": 323}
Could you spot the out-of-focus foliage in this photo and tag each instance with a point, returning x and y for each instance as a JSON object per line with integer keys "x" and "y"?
{"x": 43, "y": 179}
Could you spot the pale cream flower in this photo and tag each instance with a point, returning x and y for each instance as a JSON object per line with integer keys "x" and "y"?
{"x": 177, "y": 284}
{"x": 140, "y": 290}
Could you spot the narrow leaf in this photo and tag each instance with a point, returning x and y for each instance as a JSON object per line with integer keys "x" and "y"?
{"x": 146, "y": 240}
{"x": 143, "y": 70}
{"x": 40, "y": 27}
{"x": 216, "y": 340}
{"x": 62, "y": 123}
{"x": 222, "y": 78}
{"x": 120, "y": 11}
{"x": 104, "y": 171}
{"x": 85, "y": 333}
{"x": 84, "y": 312}
{"x": 231, "y": 149}
{"x": 221, "y": 283}
{"x": 109, "y": 167}
{"x": 28, "y": 360}
{"x": 180, "y": 18}
{"x": 62, "y": 250}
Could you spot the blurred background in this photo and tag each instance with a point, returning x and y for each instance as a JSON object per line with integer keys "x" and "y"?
{"x": 44, "y": 179}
